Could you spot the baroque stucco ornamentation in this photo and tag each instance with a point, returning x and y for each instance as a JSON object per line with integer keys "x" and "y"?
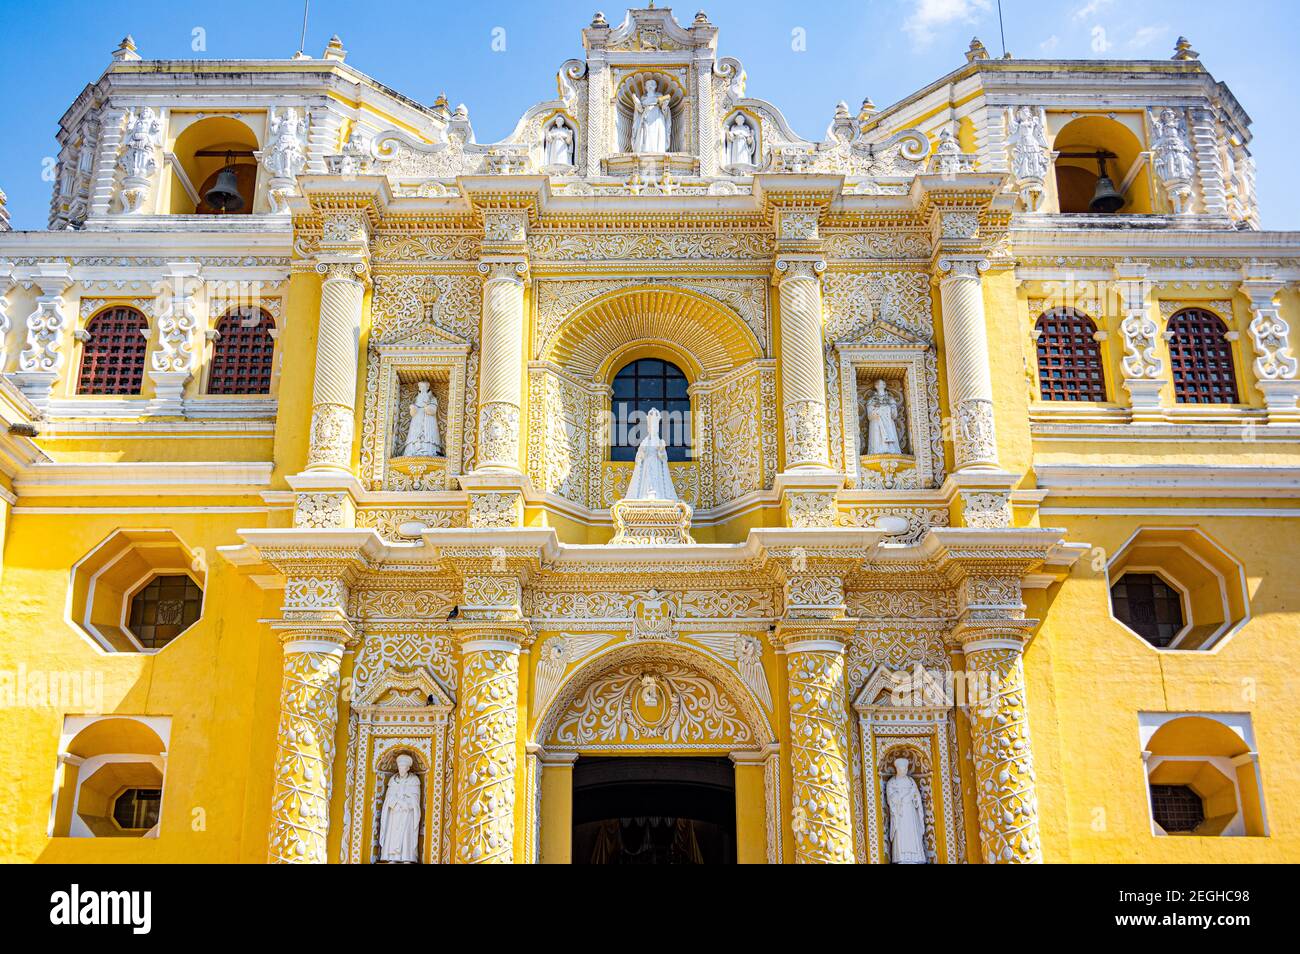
{"x": 821, "y": 801}
{"x": 485, "y": 755}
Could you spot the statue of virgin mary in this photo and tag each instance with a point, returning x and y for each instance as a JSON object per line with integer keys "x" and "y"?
{"x": 651, "y": 479}
{"x": 652, "y": 124}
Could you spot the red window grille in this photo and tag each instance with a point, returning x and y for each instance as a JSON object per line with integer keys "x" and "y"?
{"x": 1069, "y": 359}
{"x": 242, "y": 355}
{"x": 1200, "y": 356}
{"x": 112, "y": 359}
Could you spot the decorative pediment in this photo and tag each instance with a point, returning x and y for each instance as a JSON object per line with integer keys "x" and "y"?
{"x": 648, "y": 31}
{"x": 899, "y": 689}
{"x": 413, "y": 687}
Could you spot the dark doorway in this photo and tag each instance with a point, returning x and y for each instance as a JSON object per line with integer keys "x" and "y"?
{"x": 654, "y": 811}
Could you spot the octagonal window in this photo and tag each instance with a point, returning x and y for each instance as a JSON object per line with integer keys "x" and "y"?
{"x": 1177, "y": 808}
{"x": 136, "y": 809}
{"x": 1149, "y": 606}
{"x": 164, "y": 608}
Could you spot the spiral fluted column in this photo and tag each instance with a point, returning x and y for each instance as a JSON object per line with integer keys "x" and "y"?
{"x": 487, "y": 720}
{"x": 1005, "y": 793}
{"x": 966, "y": 353}
{"x": 309, "y": 713}
{"x": 335, "y": 383}
{"x": 501, "y": 368}
{"x": 819, "y": 752}
{"x": 802, "y": 368}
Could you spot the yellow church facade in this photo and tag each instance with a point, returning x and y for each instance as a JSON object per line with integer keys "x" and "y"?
{"x": 654, "y": 485}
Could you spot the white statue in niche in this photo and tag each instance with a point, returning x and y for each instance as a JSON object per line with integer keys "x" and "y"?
{"x": 651, "y": 479}
{"x": 423, "y": 438}
{"x": 399, "y": 820}
{"x": 906, "y": 817}
{"x": 652, "y": 124}
{"x": 882, "y": 422}
{"x": 559, "y": 143}
{"x": 740, "y": 142}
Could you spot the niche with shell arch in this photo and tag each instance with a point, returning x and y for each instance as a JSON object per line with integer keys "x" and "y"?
{"x": 631, "y": 88}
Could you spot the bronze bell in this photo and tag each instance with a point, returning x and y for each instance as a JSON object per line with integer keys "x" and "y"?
{"x": 224, "y": 195}
{"x": 1105, "y": 198}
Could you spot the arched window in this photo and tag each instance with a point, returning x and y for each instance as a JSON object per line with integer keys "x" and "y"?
{"x": 1069, "y": 360}
{"x": 638, "y": 387}
{"x": 241, "y": 357}
{"x": 112, "y": 358}
{"x": 1200, "y": 356}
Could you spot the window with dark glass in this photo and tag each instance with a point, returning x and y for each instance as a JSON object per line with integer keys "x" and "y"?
{"x": 242, "y": 355}
{"x": 1177, "y": 808}
{"x": 1200, "y": 357}
{"x": 137, "y": 808}
{"x": 642, "y": 385}
{"x": 112, "y": 357}
{"x": 164, "y": 609}
{"x": 1149, "y": 606}
{"x": 1069, "y": 359}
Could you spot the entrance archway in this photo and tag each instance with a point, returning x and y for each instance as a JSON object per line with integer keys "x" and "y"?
{"x": 665, "y": 810}
{"x": 655, "y": 752}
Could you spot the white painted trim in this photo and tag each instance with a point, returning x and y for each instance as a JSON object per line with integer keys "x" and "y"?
{"x": 815, "y": 646}
{"x": 1165, "y": 480}
{"x": 144, "y": 478}
{"x": 1168, "y": 512}
{"x": 490, "y": 645}
{"x": 327, "y": 646}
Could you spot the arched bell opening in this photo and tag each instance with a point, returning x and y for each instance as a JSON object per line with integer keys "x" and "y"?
{"x": 1100, "y": 169}
{"x": 214, "y": 171}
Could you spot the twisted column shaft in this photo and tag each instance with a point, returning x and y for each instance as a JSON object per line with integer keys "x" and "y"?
{"x": 966, "y": 354}
{"x": 335, "y": 383}
{"x": 802, "y": 369}
{"x": 501, "y": 368}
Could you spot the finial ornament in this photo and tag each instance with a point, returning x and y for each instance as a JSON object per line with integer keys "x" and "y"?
{"x": 1183, "y": 50}
{"x": 977, "y": 51}
{"x": 126, "y": 50}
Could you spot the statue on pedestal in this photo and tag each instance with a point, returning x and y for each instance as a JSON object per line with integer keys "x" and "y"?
{"x": 652, "y": 122}
{"x": 906, "y": 817}
{"x": 559, "y": 143}
{"x": 651, "y": 479}
{"x": 740, "y": 143}
{"x": 882, "y": 422}
{"x": 423, "y": 438}
{"x": 399, "y": 820}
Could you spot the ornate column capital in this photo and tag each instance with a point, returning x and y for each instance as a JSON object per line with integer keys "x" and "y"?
{"x": 337, "y": 268}
{"x": 505, "y": 269}
{"x": 961, "y": 268}
{"x": 791, "y": 267}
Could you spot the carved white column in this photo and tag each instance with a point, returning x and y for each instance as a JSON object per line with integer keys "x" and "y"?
{"x": 40, "y": 362}
{"x": 314, "y": 634}
{"x": 802, "y": 367}
{"x": 501, "y": 365}
{"x": 1144, "y": 369}
{"x": 966, "y": 352}
{"x": 335, "y": 383}
{"x": 174, "y": 361}
{"x": 1275, "y": 366}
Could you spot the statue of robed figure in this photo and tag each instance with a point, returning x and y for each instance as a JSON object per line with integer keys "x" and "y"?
{"x": 399, "y": 822}
{"x": 651, "y": 479}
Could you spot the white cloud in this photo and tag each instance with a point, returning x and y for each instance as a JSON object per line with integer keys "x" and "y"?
{"x": 1091, "y": 8}
{"x": 1051, "y": 43}
{"x": 930, "y": 16}
{"x": 1099, "y": 42}
{"x": 1145, "y": 36}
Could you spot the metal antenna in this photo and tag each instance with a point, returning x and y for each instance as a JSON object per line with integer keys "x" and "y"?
{"x": 306, "y": 5}
{"x": 1001, "y": 31}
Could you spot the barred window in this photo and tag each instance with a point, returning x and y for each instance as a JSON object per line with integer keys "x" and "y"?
{"x": 1177, "y": 808}
{"x": 243, "y": 353}
{"x": 112, "y": 359}
{"x": 1200, "y": 356}
{"x": 1069, "y": 359}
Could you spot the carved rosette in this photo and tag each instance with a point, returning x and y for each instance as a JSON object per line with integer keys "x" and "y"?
{"x": 822, "y": 822}
{"x": 1004, "y": 760}
{"x": 309, "y": 701}
{"x": 810, "y": 509}
{"x": 986, "y": 509}
{"x": 485, "y": 750}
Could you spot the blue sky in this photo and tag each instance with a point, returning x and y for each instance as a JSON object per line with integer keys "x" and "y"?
{"x": 882, "y": 48}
